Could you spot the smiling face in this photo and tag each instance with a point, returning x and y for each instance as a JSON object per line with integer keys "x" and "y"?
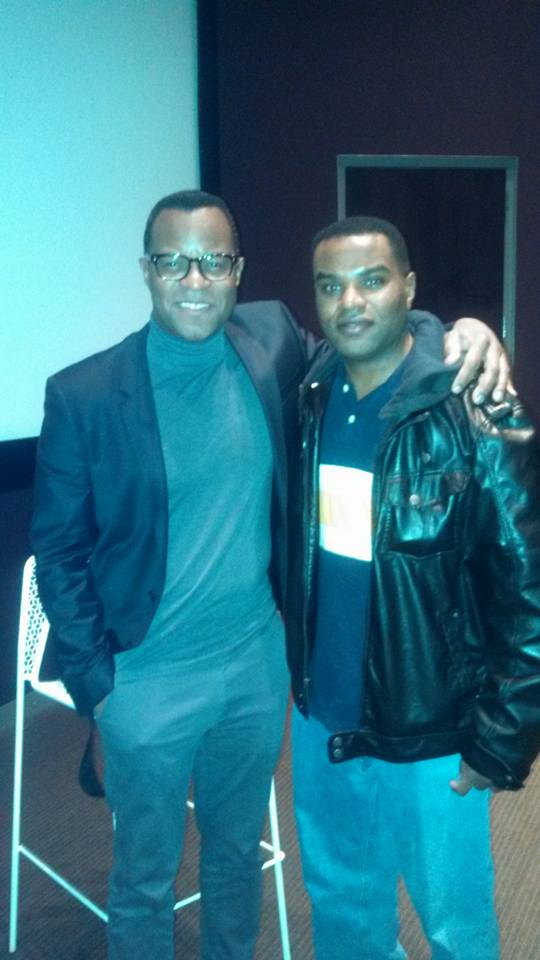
{"x": 362, "y": 298}
{"x": 192, "y": 308}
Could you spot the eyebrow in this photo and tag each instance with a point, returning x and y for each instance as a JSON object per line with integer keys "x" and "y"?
{"x": 362, "y": 272}
{"x": 179, "y": 253}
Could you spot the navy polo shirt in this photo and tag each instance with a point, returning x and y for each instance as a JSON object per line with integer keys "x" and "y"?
{"x": 351, "y": 433}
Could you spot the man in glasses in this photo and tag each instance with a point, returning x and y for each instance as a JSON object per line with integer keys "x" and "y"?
{"x": 160, "y": 538}
{"x": 413, "y": 615}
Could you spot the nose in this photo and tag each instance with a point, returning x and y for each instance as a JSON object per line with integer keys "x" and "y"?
{"x": 194, "y": 278}
{"x": 353, "y": 296}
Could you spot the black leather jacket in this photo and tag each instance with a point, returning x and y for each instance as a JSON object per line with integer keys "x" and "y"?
{"x": 452, "y": 657}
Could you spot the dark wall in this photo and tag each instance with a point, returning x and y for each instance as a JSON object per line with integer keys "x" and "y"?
{"x": 300, "y": 82}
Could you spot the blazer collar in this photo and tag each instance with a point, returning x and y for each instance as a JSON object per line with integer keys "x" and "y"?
{"x": 137, "y": 409}
{"x": 264, "y": 378}
{"x": 133, "y": 373}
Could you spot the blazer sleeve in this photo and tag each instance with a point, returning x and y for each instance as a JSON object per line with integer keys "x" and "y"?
{"x": 506, "y": 737}
{"x": 63, "y": 536}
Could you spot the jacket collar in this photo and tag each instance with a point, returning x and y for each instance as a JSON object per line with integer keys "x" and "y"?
{"x": 263, "y": 376}
{"x": 137, "y": 408}
{"x": 134, "y": 374}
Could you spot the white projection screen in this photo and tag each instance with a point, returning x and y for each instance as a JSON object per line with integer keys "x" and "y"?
{"x": 98, "y": 108}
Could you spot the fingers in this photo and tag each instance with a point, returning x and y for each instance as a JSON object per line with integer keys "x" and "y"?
{"x": 468, "y": 779}
{"x": 479, "y": 353}
{"x": 510, "y": 388}
{"x": 485, "y": 360}
{"x": 460, "y": 786}
{"x": 495, "y": 377}
{"x": 452, "y": 347}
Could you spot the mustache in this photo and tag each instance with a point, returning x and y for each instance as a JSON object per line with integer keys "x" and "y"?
{"x": 352, "y": 315}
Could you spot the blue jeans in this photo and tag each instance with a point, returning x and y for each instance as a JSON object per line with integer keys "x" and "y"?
{"x": 364, "y": 823}
{"x": 218, "y": 718}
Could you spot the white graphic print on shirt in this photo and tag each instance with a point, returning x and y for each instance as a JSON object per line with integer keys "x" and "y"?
{"x": 345, "y": 511}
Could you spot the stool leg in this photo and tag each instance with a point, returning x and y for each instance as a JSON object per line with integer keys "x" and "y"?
{"x": 278, "y": 874}
{"x": 17, "y": 788}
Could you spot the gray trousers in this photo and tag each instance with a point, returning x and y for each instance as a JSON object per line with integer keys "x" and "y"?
{"x": 217, "y": 718}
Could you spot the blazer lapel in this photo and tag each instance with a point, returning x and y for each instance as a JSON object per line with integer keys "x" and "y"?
{"x": 266, "y": 384}
{"x": 138, "y": 413}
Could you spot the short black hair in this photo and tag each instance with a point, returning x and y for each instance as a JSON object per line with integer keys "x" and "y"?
{"x": 189, "y": 200}
{"x": 353, "y": 226}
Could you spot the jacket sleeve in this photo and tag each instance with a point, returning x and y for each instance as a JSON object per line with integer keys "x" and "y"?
{"x": 63, "y": 535}
{"x": 506, "y": 737}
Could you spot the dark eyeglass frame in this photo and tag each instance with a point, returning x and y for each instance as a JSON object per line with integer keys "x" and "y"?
{"x": 200, "y": 261}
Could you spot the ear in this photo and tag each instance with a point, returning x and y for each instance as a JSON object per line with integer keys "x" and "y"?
{"x": 238, "y": 270}
{"x": 410, "y": 286}
{"x": 145, "y": 268}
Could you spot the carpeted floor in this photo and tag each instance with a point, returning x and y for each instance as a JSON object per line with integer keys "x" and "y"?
{"x": 73, "y": 832}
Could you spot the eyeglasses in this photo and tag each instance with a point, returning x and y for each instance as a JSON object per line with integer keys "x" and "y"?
{"x": 175, "y": 266}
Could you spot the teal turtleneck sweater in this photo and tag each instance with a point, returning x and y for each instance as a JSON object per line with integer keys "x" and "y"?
{"x": 218, "y": 463}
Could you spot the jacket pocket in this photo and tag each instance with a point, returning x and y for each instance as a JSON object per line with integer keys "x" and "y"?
{"x": 420, "y": 512}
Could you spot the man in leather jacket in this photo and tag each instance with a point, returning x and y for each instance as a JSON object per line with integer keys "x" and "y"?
{"x": 413, "y": 615}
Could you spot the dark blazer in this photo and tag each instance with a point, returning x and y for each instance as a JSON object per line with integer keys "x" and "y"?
{"x": 99, "y": 530}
